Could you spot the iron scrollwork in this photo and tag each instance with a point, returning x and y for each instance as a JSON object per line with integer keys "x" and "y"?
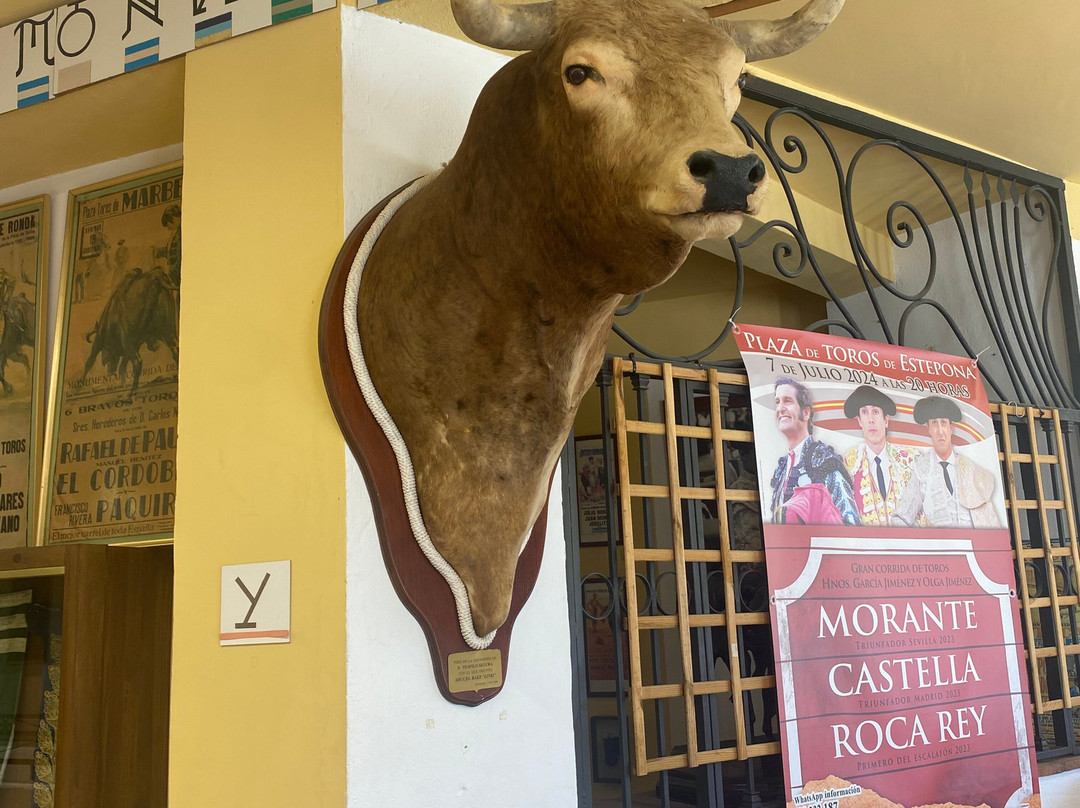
{"x": 998, "y": 225}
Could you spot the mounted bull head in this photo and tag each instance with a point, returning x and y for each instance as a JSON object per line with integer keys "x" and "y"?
{"x": 590, "y": 166}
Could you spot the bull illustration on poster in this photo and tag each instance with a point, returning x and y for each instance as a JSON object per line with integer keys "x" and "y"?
{"x": 24, "y": 260}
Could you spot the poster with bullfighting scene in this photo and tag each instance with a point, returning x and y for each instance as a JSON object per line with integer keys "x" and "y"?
{"x": 24, "y": 262}
{"x": 899, "y": 660}
{"x": 111, "y": 460}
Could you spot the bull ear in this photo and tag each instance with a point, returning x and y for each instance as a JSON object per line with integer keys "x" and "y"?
{"x": 498, "y": 25}
{"x": 767, "y": 39}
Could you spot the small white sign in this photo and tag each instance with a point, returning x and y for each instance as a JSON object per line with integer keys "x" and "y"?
{"x": 255, "y": 601}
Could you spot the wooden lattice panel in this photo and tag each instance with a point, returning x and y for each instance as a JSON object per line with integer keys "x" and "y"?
{"x": 1043, "y": 524}
{"x": 1035, "y": 460}
{"x": 690, "y": 677}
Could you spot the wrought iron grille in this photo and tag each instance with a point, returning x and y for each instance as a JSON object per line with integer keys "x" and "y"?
{"x": 973, "y": 259}
{"x": 701, "y": 686}
{"x": 978, "y": 254}
{"x": 706, "y": 620}
{"x": 699, "y": 703}
{"x": 1039, "y": 450}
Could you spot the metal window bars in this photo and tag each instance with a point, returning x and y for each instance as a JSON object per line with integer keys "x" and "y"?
{"x": 691, "y": 608}
{"x": 1006, "y": 293}
{"x": 1038, "y": 450}
{"x": 710, "y": 621}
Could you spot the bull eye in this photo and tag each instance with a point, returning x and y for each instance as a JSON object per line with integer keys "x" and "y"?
{"x": 742, "y": 80}
{"x": 576, "y": 74}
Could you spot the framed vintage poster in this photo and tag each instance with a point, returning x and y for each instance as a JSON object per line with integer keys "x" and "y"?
{"x": 591, "y": 476}
{"x": 24, "y": 294}
{"x": 606, "y": 749}
{"x": 110, "y": 464}
{"x": 600, "y": 638}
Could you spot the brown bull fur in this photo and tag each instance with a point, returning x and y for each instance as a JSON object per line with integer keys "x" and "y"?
{"x": 486, "y": 303}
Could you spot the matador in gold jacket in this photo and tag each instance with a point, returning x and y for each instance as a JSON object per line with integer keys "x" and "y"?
{"x": 879, "y": 470}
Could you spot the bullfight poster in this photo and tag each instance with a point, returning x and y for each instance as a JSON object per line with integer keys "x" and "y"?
{"x": 900, "y": 669}
{"x": 24, "y": 260}
{"x": 111, "y": 463}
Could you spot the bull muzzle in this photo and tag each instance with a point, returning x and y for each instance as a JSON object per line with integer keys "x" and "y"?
{"x": 729, "y": 181}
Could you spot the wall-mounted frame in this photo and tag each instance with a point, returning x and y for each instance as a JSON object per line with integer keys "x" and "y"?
{"x": 607, "y": 764}
{"x": 24, "y": 294}
{"x": 110, "y": 462}
{"x": 600, "y": 639}
{"x": 591, "y": 477}
{"x": 418, "y": 584}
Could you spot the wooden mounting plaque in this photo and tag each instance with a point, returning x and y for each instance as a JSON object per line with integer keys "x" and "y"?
{"x": 421, "y": 588}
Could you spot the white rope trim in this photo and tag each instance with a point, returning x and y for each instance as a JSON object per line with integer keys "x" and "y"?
{"x": 389, "y": 428}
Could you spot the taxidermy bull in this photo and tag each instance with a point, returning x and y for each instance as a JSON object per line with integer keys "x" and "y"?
{"x": 590, "y": 166}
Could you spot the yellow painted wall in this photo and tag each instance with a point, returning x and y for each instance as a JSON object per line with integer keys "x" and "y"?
{"x": 1072, "y": 203}
{"x": 261, "y": 460}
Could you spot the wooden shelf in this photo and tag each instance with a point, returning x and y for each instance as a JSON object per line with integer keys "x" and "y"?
{"x": 115, "y": 604}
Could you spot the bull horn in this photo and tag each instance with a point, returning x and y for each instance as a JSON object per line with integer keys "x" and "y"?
{"x": 507, "y": 26}
{"x": 767, "y": 39}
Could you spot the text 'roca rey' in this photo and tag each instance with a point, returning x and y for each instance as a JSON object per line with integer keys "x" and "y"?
{"x": 849, "y": 679}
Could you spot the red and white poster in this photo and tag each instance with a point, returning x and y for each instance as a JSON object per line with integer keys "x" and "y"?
{"x": 900, "y": 669}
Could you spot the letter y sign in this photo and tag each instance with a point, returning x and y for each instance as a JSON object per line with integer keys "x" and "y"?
{"x": 255, "y": 600}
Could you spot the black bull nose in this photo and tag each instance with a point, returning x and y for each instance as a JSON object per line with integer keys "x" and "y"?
{"x": 728, "y": 180}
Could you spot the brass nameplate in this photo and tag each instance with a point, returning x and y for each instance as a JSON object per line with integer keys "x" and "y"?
{"x": 474, "y": 670}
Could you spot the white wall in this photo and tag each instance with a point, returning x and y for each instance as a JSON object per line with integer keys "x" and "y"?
{"x": 57, "y": 188}
{"x": 407, "y": 96}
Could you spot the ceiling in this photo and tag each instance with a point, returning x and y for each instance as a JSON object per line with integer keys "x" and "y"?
{"x": 998, "y": 75}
